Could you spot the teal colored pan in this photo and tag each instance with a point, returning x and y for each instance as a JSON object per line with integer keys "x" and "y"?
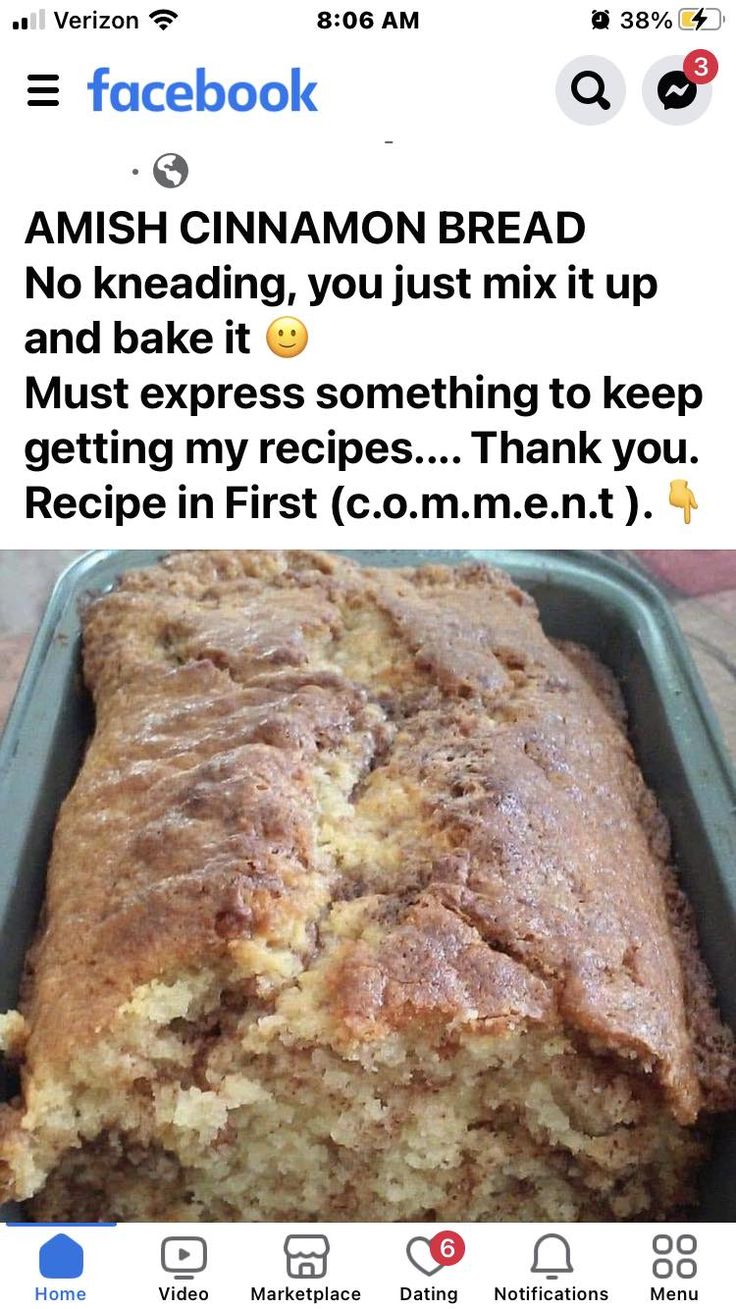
{"x": 583, "y": 596}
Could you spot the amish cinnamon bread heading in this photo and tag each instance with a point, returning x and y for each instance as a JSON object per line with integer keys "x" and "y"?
{"x": 359, "y": 909}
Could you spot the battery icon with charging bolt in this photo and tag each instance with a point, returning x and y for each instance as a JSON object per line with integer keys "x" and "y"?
{"x": 700, "y": 20}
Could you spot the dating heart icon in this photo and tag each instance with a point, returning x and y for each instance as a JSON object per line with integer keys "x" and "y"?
{"x": 420, "y": 1255}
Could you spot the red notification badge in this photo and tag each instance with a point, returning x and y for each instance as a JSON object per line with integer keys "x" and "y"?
{"x": 447, "y": 1248}
{"x": 700, "y": 67}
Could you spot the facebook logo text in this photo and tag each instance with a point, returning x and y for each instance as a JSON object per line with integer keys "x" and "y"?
{"x": 203, "y": 95}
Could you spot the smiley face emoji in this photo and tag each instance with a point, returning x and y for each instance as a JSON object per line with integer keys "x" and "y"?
{"x": 287, "y": 337}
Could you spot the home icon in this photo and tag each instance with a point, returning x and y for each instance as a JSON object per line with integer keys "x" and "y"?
{"x": 61, "y": 1257}
{"x": 306, "y": 1256}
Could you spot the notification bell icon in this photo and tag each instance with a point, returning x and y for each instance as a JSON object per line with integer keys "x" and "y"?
{"x": 551, "y": 1256}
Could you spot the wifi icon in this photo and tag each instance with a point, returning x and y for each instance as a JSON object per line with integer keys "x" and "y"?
{"x": 163, "y": 18}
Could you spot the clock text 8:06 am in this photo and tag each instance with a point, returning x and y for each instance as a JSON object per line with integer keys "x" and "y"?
{"x": 392, "y": 20}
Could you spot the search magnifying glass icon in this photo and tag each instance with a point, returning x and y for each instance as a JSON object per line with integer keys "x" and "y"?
{"x": 596, "y": 85}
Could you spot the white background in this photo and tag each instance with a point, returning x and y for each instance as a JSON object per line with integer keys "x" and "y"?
{"x": 469, "y": 103}
{"x": 122, "y": 1265}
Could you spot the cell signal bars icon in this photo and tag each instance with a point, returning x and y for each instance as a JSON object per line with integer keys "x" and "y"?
{"x": 43, "y": 90}
{"x": 33, "y": 23}
{"x": 163, "y": 18}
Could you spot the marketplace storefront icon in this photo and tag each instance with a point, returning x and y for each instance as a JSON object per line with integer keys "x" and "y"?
{"x": 306, "y": 1255}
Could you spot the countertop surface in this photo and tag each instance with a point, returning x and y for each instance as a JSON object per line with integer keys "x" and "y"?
{"x": 700, "y": 585}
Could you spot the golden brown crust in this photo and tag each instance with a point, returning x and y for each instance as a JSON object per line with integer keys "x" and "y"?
{"x": 188, "y": 822}
{"x": 518, "y": 872}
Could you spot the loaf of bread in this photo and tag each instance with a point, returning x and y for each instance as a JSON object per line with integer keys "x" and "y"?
{"x": 359, "y": 909}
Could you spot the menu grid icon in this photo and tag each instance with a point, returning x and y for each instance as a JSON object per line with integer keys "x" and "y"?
{"x": 43, "y": 90}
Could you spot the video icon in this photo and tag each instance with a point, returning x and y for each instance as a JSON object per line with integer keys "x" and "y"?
{"x": 183, "y": 1256}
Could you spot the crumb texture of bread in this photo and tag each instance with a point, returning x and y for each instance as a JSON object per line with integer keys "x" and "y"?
{"x": 359, "y": 909}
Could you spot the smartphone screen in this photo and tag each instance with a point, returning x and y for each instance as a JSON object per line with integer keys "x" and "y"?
{"x": 368, "y": 787}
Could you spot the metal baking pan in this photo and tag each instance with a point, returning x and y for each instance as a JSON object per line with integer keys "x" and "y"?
{"x": 584, "y": 596}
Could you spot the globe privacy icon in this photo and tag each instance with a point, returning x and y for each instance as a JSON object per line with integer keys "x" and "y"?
{"x": 171, "y": 170}
{"x": 61, "y": 1257}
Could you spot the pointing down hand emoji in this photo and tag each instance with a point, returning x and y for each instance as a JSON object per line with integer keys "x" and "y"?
{"x": 682, "y": 497}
